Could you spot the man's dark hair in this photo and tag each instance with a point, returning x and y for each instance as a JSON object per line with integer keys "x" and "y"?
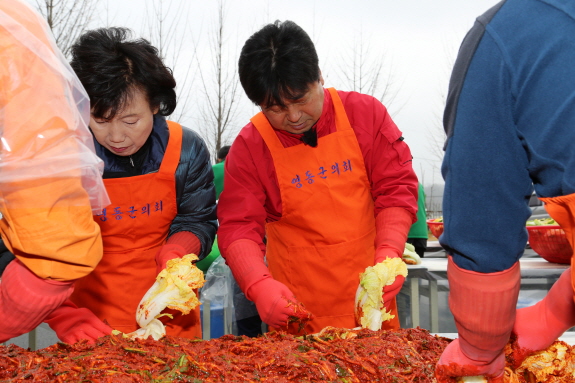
{"x": 223, "y": 152}
{"x": 111, "y": 67}
{"x": 279, "y": 61}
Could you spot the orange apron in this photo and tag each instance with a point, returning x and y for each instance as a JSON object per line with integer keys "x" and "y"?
{"x": 133, "y": 227}
{"x": 562, "y": 210}
{"x": 325, "y": 237}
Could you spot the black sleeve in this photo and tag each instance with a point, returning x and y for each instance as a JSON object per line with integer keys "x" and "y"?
{"x": 5, "y": 256}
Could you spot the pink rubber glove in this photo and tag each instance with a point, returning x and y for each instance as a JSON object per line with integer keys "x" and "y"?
{"x": 391, "y": 227}
{"x": 73, "y": 324}
{"x": 25, "y": 299}
{"x": 246, "y": 261}
{"x": 178, "y": 245}
{"x": 538, "y": 326}
{"x": 454, "y": 362}
{"x": 483, "y": 306}
{"x": 271, "y": 299}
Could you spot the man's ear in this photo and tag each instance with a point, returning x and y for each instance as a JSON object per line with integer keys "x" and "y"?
{"x": 321, "y": 78}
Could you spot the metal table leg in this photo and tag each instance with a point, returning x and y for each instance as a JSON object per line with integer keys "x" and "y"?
{"x": 206, "y": 318}
{"x": 433, "y": 306}
{"x": 228, "y": 319}
{"x": 414, "y": 301}
{"x": 32, "y": 340}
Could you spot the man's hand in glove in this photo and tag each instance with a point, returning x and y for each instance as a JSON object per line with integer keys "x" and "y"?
{"x": 274, "y": 301}
{"x": 391, "y": 291}
{"x": 391, "y": 225}
{"x": 73, "y": 324}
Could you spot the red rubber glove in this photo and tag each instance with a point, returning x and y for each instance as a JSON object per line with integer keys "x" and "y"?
{"x": 178, "y": 245}
{"x": 538, "y": 326}
{"x": 25, "y": 299}
{"x": 271, "y": 299}
{"x": 166, "y": 253}
{"x": 246, "y": 261}
{"x": 73, "y": 324}
{"x": 391, "y": 228}
{"x": 459, "y": 363}
{"x": 483, "y": 306}
{"x": 390, "y": 292}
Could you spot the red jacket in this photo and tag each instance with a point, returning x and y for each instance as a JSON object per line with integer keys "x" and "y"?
{"x": 252, "y": 196}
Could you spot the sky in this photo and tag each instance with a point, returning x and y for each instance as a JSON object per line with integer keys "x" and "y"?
{"x": 418, "y": 39}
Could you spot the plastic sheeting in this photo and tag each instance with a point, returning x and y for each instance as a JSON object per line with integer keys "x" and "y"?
{"x": 222, "y": 291}
{"x": 44, "y": 111}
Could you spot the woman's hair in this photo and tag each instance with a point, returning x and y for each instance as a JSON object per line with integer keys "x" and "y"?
{"x": 111, "y": 67}
{"x": 278, "y": 62}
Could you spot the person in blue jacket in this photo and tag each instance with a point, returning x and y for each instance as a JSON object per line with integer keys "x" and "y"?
{"x": 510, "y": 125}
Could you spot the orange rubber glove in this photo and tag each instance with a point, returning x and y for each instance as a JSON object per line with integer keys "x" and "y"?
{"x": 483, "y": 306}
{"x": 271, "y": 297}
{"x": 25, "y": 299}
{"x": 391, "y": 228}
{"x": 178, "y": 245}
{"x": 538, "y": 326}
{"x": 73, "y": 324}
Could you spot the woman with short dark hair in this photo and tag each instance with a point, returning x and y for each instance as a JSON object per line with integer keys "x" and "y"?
{"x": 157, "y": 173}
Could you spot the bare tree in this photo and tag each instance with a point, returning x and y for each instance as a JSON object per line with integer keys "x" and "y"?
{"x": 365, "y": 70}
{"x": 436, "y": 133}
{"x": 167, "y": 29}
{"x": 67, "y": 19}
{"x": 436, "y": 138}
{"x": 220, "y": 89}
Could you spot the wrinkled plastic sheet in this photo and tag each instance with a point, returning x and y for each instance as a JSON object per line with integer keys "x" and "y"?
{"x": 222, "y": 290}
{"x": 44, "y": 111}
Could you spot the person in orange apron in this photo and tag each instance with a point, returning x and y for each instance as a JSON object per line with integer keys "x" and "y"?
{"x": 159, "y": 179}
{"x": 324, "y": 175}
{"x": 50, "y": 176}
{"x": 509, "y": 123}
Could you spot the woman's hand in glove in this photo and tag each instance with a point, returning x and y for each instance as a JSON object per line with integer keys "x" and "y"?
{"x": 392, "y": 225}
{"x": 168, "y": 252}
{"x": 73, "y": 324}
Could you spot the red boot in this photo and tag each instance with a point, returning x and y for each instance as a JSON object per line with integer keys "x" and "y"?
{"x": 538, "y": 326}
{"x": 483, "y": 306}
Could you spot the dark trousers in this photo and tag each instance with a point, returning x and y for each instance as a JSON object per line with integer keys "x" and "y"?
{"x": 251, "y": 326}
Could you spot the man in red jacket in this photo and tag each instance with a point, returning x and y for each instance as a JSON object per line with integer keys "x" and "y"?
{"x": 323, "y": 175}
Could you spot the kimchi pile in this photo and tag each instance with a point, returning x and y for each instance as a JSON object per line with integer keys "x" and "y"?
{"x": 335, "y": 355}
